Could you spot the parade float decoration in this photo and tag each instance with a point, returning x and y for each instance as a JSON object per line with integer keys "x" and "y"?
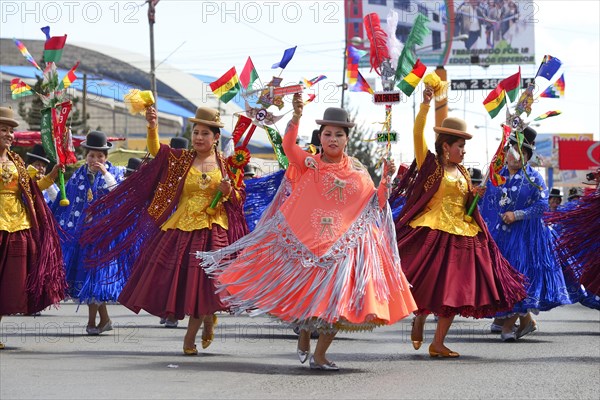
{"x": 56, "y": 136}
{"x": 515, "y": 123}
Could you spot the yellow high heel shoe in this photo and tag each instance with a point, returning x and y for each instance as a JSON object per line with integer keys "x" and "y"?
{"x": 443, "y": 354}
{"x": 207, "y": 340}
{"x": 190, "y": 351}
{"x": 416, "y": 342}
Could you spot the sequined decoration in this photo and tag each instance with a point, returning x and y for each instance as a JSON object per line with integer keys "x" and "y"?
{"x": 338, "y": 189}
{"x": 165, "y": 191}
{"x": 327, "y": 224}
{"x": 204, "y": 181}
{"x": 6, "y": 174}
{"x": 90, "y": 195}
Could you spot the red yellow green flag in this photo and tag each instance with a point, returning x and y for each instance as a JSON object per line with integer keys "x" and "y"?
{"x": 20, "y": 89}
{"x": 511, "y": 85}
{"x": 227, "y": 86}
{"x": 410, "y": 81}
{"x": 69, "y": 78}
{"x": 494, "y": 102}
{"x": 498, "y": 159}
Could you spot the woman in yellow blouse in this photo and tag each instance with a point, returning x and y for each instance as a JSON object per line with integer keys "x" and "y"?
{"x": 453, "y": 265}
{"x": 31, "y": 271}
{"x": 162, "y": 209}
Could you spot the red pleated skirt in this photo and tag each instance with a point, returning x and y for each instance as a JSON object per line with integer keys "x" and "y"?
{"x": 18, "y": 253}
{"x": 167, "y": 278}
{"x": 452, "y": 274}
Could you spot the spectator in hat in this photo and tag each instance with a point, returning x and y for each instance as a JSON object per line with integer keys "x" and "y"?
{"x": 554, "y": 199}
{"x": 575, "y": 193}
{"x": 179, "y": 142}
{"x": 452, "y": 265}
{"x": 90, "y": 182}
{"x": 249, "y": 171}
{"x": 37, "y": 163}
{"x": 304, "y": 263}
{"x": 513, "y": 212}
{"x": 476, "y": 176}
{"x": 170, "y": 217}
{"x": 31, "y": 264}
{"x": 133, "y": 164}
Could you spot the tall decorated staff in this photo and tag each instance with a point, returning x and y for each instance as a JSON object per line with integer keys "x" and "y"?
{"x": 515, "y": 124}
{"x": 56, "y": 136}
{"x": 395, "y": 63}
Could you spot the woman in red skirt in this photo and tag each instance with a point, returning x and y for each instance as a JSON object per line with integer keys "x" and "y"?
{"x": 162, "y": 210}
{"x": 453, "y": 265}
{"x": 31, "y": 271}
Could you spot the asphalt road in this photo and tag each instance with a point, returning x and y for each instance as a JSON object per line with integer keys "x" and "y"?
{"x": 51, "y": 357}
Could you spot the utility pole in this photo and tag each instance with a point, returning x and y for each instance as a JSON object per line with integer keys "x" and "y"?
{"x": 151, "y": 19}
{"x": 83, "y": 101}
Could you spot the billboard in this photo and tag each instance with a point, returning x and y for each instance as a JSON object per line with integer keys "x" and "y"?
{"x": 578, "y": 154}
{"x": 463, "y": 32}
{"x": 547, "y": 147}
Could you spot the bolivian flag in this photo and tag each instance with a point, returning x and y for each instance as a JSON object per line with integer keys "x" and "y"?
{"x": 227, "y": 86}
{"x": 410, "y": 81}
{"x": 494, "y": 102}
{"x": 20, "y": 89}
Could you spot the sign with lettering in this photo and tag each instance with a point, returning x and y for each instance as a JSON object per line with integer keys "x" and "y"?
{"x": 386, "y": 97}
{"x": 482, "y": 84}
{"x": 384, "y": 137}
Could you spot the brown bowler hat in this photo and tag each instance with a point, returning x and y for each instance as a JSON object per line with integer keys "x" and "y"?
{"x": 455, "y": 127}
{"x": 335, "y": 116}
{"x": 207, "y": 116}
{"x": 7, "y": 117}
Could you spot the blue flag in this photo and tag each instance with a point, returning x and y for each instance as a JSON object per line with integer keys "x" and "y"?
{"x": 548, "y": 67}
{"x": 287, "y": 56}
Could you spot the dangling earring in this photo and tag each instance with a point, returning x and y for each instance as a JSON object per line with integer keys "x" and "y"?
{"x": 447, "y": 156}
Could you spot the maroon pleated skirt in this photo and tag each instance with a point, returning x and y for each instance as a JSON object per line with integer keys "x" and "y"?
{"x": 452, "y": 274}
{"x": 167, "y": 279}
{"x": 18, "y": 253}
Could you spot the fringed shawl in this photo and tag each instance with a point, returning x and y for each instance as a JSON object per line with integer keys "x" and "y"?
{"x": 46, "y": 280}
{"x": 133, "y": 212}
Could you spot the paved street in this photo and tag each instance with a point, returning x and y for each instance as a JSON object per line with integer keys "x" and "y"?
{"x": 50, "y": 357}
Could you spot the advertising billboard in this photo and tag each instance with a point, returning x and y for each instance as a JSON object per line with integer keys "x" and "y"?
{"x": 463, "y": 32}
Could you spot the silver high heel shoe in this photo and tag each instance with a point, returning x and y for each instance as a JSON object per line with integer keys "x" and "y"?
{"x": 323, "y": 367}
{"x": 303, "y": 355}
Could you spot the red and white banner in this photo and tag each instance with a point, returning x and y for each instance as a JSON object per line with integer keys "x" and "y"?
{"x": 578, "y": 154}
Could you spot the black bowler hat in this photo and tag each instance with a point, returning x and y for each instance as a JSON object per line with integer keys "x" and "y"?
{"x": 575, "y": 193}
{"x": 179, "y": 142}
{"x": 37, "y": 154}
{"x": 96, "y": 140}
{"x": 249, "y": 170}
{"x": 476, "y": 176}
{"x": 529, "y": 135}
{"x": 133, "y": 164}
{"x": 555, "y": 192}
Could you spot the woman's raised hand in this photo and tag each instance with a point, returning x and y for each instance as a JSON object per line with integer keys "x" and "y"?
{"x": 151, "y": 117}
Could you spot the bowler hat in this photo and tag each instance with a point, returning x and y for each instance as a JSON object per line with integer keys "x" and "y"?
{"x": 179, "y": 142}
{"x": 37, "y": 153}
{"x": 476, "y": 176}
{"x": 574, "y": 193}
{"x": 336, "y": 117}
{"x": 207, "y": 116}
{"x": 7, "y": 117}
{"x": 529, "y": 135}
{"x": 249, "y": 170}
{"x": 555, "y": 192}
{"x": 96, "y": 140}
{"x": 453, "y": 126}
{"x": 133, "y": 164}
